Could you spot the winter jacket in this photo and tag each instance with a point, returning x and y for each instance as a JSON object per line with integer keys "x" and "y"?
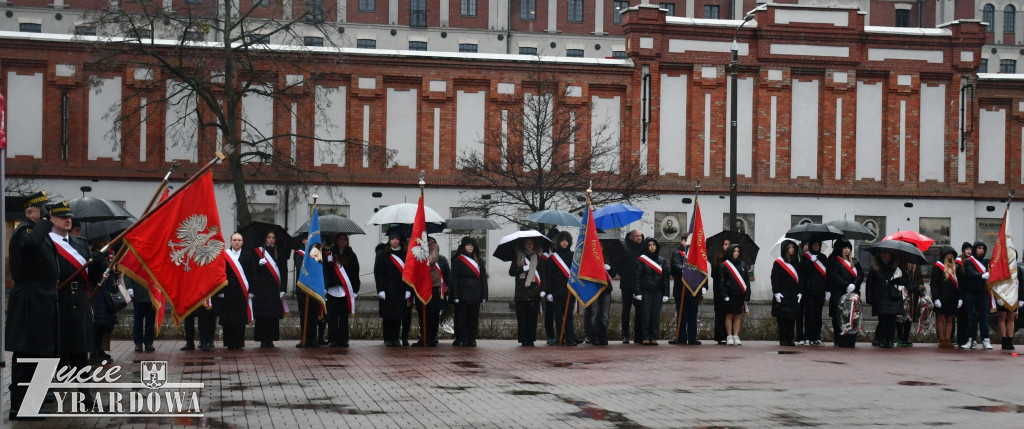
{"x": 784, "y": 283}
{"x": 646, "y": 277}
{"x": 468, "y": 286}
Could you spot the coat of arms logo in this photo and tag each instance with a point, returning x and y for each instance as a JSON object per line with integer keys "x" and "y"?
{"x": 196, "y": 243}
{"x": 421, "y": 251}
{"x": 154, "y": 373}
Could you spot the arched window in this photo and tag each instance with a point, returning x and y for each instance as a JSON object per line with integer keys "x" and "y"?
{"x": 988, "y": 15}
{"x": 1009, "y": 20}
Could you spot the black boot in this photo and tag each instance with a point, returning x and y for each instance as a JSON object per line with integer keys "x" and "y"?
{"x": 189, "y": 346}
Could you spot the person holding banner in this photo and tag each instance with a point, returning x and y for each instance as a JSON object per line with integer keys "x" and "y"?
{"x": 976, "y": 297}
{"x": 232, "y": 303}
{"x": 598, "y": 316}
{"x": 341, "y": 278}
{"x": 440, "y": 271}
{"x": 945, "y": 295}
{"x": 651, "y": 279}
{"x": 469, "y": 285}
{"x": 527, "y": 269}
{"x": 391, "y": 289}
{"x": 267, "y": 292}
{"x": 844, "y": 276}
{"x": 556, "y": 284}
{"x": 735, "y": 279}
{"x": 312, "y": 326}
{"x": 786, "y": 292}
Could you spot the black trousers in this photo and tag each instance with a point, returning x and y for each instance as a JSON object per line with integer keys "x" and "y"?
{"x": 903, "y": 331}
{"x": 234, "y": 335}
{"x": 470, "y": 318}
{"x": 549, "y": 318}
{"x": 391, "y": 329}
{"x": 786, "y": 326}
{"x": 628, "y": 303}
{"x": 21, "y": 372}
{"x": 526, "y": 321}
{"x": 650, "y": 314}
{"x": 267, "y": 329}
{"x": 457, "y": 321}
{"x": 961, "y": 325}
{"x": 598, "y": 317}
{"x": 309, "y": 320}
{"x": 884, "y": 330}
{"x": 337, "y": 320}
{"x": 561, "y": 313}
{"x": 207, "y": 320}
{"x": 801, "y": 333}
{"x": 811, "y": 306}
{"x": 720, "y": 333}
{"x": 406, "y": 321}
{"x": 688, "y": 319}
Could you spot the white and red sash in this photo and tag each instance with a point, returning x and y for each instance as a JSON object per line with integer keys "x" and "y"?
{"x": 959, "y": 261}
{"x": 536, "y": 273}
{"x": 546, "y": 255}
{"x": 398, "y": 261}
{"x": 942, "y": 267}
{"x": 236, "y": 267}
{"x": 849, "y": 267}
{"x": 650, "y": 263}
{"x": 981, "y": 268}
{"x": 301, "y": 253}
{"x": 440, "y": 275}
{"x": 271, "y": 265}
{"x": 789, "y": 269}
{"x": 471, "y": 263}
{"x": 560, "y": 264}
{"x": 736, "y": 276}
{"x": 817, "y": 263}
{"x": 350, "y": 295}
{"x": 70, "y": 254}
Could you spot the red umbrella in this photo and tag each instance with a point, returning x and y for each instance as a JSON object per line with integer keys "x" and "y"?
{"x": 917, "y": 239}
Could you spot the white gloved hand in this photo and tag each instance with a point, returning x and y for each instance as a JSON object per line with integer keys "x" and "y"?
{"x": 638, "y": 297}
{"x": 959, "y": 303}
{"x": 778, "y": 297}
{"x": 985, "y": 276}
{"x": 342, "y": 292}
{"x": 1000, "y": 301}
{"x": 456, "y": 299}
{"x": 799, "y": 296}
{"x": 542, "y": 293}
{"x": 726, "y": 299}
{"x": 330, "y": 257}
{"x": 938, "y": 303}
{"x": 897, "y": 274}
{"x": 1020, "y": 304}
{"x": 220, "y": 295}
{"x": 705, "y": 290}
{"x": 282, "y": 295}
{"x": 482, "y": 301}
{"x": 131, "y": 293}
{"x": 850, "y": 288}
{"x": 408, "y": 294}
{"x": 263, "y": 262}
{"x": 551, "y": 298}
{"x": 664, "y": 299}
{"x": 828, "y": 296}
{"x": 607, "y": 267}
{"x": 251, "y": 296}
{"x": 814, "y": 258}
{"x": 383, "y": 295}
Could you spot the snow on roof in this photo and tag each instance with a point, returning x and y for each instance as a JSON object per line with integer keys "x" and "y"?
{"x": 1000, "y": 76}
{"x": 908, "y": 31}
{"x": 731, "y": 23}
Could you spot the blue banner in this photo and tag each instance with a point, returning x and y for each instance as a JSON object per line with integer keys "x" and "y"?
{"x": 311, "y": 274}
{"x": 587, "y": 277}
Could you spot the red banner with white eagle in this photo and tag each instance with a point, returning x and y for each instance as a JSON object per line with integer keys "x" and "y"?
{"x": 1002, "y": 268}
{"x": 180, "y": 246}
{"x": 416, "y": 272}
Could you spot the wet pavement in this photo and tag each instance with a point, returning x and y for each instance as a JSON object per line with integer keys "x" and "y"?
{"x": 500, "y": 384}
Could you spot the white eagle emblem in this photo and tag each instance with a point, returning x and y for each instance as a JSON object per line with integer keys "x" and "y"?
{"x": 421, "y": 251}
{"x": 196, "y": 243}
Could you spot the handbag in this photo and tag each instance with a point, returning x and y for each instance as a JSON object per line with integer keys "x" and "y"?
{"x": 118, "y": 298}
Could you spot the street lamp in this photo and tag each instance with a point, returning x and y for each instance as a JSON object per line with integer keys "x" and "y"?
{"x": 735, "y": 65}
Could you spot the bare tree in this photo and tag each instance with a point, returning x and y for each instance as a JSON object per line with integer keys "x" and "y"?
{"x": 548, "y": 155}
{"x": 204, "y": 59}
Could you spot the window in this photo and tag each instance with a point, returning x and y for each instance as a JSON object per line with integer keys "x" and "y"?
{"x": 417, "y": 46}
{"x": 194, "y": 36}
{"x": 617, "y": 8}
{"x": 315, "y": 11}
{"x": 467, "y": 47}
{"x": 524, "y": 50}
{"x": 1009, "y": 21}
{"x": 193, "y": 1}
{"x": 29, "y": 27}
{"x": 711, "y": 11}
{"x": 468, "y": 7}
{"x": 418, "y": 13}
{"x": 367, "y": 5}
{"x": 902, "y": 18}
{"x": 528, "y": 10}
{"x": 984, "y": 66}
{"x": 578, "y": 53}
{"x": 575, "y": 11}
{"x": 1007, "y": 66}
{"x": 366, "y": 44}
{"x": 260, "y": 3}
{"x": 85, "y": 30}
{"x": 256, "y": 38}
{"x": 141, "y": 34}
{"x": 313, "y": 41}
{"x": 988, "y": 15}
{"x": 670, "y": 7}
{"x": 619, "y": 54}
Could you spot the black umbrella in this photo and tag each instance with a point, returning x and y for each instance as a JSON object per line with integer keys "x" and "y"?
{"x": 614, "y": 248}
{"x": 89, "y": 209}
{"x": 748, "y": 249}
{"x": 853, "y": 230}
{"x": 809, "y": 232}
{"x": 506, "y": 249}
{"x": 332, "y": 224}
{"x": 255, "y": 233}
{"x": 902, "y": 250}
{"x": 110, "y": 228}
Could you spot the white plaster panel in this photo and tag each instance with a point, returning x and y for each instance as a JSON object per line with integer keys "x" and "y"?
{"x": 774, "y": 74}
{"x": 672, "y": 155}
{"x": 65, "y": 70}
{"x": 25, "y": 124}
{"x": 933, "y": 131}
{"x": 744, "y": 128}
{"x": 790, "y": 16}
{"x": 330, "y": 124}
{"x": 904, "y": 79}
{"x": 840, "y": 77}
{"x": 810, "y": 50}
{"x": 573, "y": 91}
{"x": 869, "y": 131}
{"x": 607, "y": 117}
{"x": 506, "y": 88}
{"x": 646, "y": 43}
{"x": 401, "y": 126}
{"x": 708, "y": 72}
{"x": 104, "y": 110}
{"x": 181, "y": 130}
{"x": 438, "y": 85}
{"x": 683, "y": 45}
{"x": 258, "y": 120}
{"x": 879, "y": 54}
{"x": 991, "y": 145}
{"x": 966, "y": 56}
{"x": 470, "y": 109}
{"x": 804, "y": 135}
{"x": 367, "y": 83}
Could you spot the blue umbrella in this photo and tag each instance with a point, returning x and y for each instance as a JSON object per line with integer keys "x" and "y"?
{"x": 616, "y": 216}
{"x": 554, "y": 217}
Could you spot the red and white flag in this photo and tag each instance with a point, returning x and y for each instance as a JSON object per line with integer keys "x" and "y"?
{"x": 1002, "y": 280}
{"x": 416, "y": 272}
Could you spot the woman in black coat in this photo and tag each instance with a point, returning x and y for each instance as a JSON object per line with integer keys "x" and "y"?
{"x": 391, "y": 289}
{"x": 719, "y": 297}
{"x": 651, "y": 279}
{"x": 844, "y": 276}
{"x": 527, "y": 269}
{"x": 268, "y": 290}
{"x": 735, "y": 279}
{"x": 945, "y": 295}
{"x": 884, "y": 279}
{"x": 469, "y": 284}
{"x": 232, "y": 303}
{"x": 341, "y": 278}
{"x": 785, "y": 288}
{"x": 556, "y": 284}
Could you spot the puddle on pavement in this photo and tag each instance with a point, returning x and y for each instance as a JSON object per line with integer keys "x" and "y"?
{"x": 240, "y": 403}
{"x": 334, "y": 365}
{"x": 831, "y": 362}
{"x": 456, "y": 388}
{"x": 790, "y": 420}
{"x": 936, "y": 423}
{"x": 202, "y": 422}
{"x": 527, "y": 392}
{"x": 466, "y": 364}
{"x": 354, "y": 411}
{"x": 917, "y": 383}
{"x": 199, "y": 363}
{"x": 1004, "y": 408}
{"x": 781, "y": 352}
{"x": 590, "y": 411}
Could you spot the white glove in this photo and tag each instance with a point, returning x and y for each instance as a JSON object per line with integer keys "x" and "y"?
{"x": 330, "y": 258}
{"x": 1000, "y": 301}
{"x": 814, "y": 258}
{"x": 220, "y": 295}
{"x": 1020, "y": 304}
{"x": 263, "y": 262}
{"x": 282, "y": 295}
{"x": 664, "y": 299}
{"x": 383, "y": 295}
{"x": 938, "y": 303}
{"x": 607, "y": 267}
{"x": 959, "y": 303}
{"x": 705, "y": 290}
{"x": 131, "y": 293}
{"x": 850, "y": 288}
{"x": 251, "y": 296}
{"x": 726, "y": 299}
{"x": 542, "y": 293}
{"x": 408, "y": 294}
{"x": 551, "y": 298}
{"x": 778, "y": 297}
{"x": 342, "y": 292}
{"x": 482, "y": 301}
{"x": 985, "y": 276}
{"x": 897, "y": 274}
{"x": 799, "y": 296}
{"x": 638, "y": 297}
{"x": 828, "y": 296}
{"x": 456, "y": 299}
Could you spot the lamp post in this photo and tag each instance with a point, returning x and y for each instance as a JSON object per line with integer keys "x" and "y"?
{"x": 735, "y": 66}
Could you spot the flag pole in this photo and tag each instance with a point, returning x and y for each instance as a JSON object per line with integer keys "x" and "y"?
{"x": 423, "y": 322}
{"x": 565, "y": 313}
{"x": 305, "y": 313}
{"x": 682, "y": 299}
{"x": 220, "y": 157}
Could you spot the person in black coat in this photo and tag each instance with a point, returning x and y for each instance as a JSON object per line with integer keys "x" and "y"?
{"x": 527, "y": 269}
{"x": 391, "y": 289}
{"x": 813, "y": 286}
{"x": 311, "y": 323}
{"x": 975, "y": 291}
{"x": 440, "y": 271}
{"x": 341, "y": 278}
{"x": 884, "y": 279}
{"x": 469, "y": 285}
{"x": 556, "y": 284}
{"x": 232, "y": 303}
{"x": 548, "y": 307}
{"x": 720, "y": 335}
{"x": 104, "y": 316}
{"x": 689, "y": 303}
{"x": 651, "y": 279}
{"x": 627, "y": 283}
{"x": 844, "y": 276}
{"x": 268, "y": 290}
{"x": 786, "y": 292}
{"x": 945, "y": 295}
{"x": 600, "y": 308}
{"x": 735, "y": 278}
{"x": 966, "y": 250}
